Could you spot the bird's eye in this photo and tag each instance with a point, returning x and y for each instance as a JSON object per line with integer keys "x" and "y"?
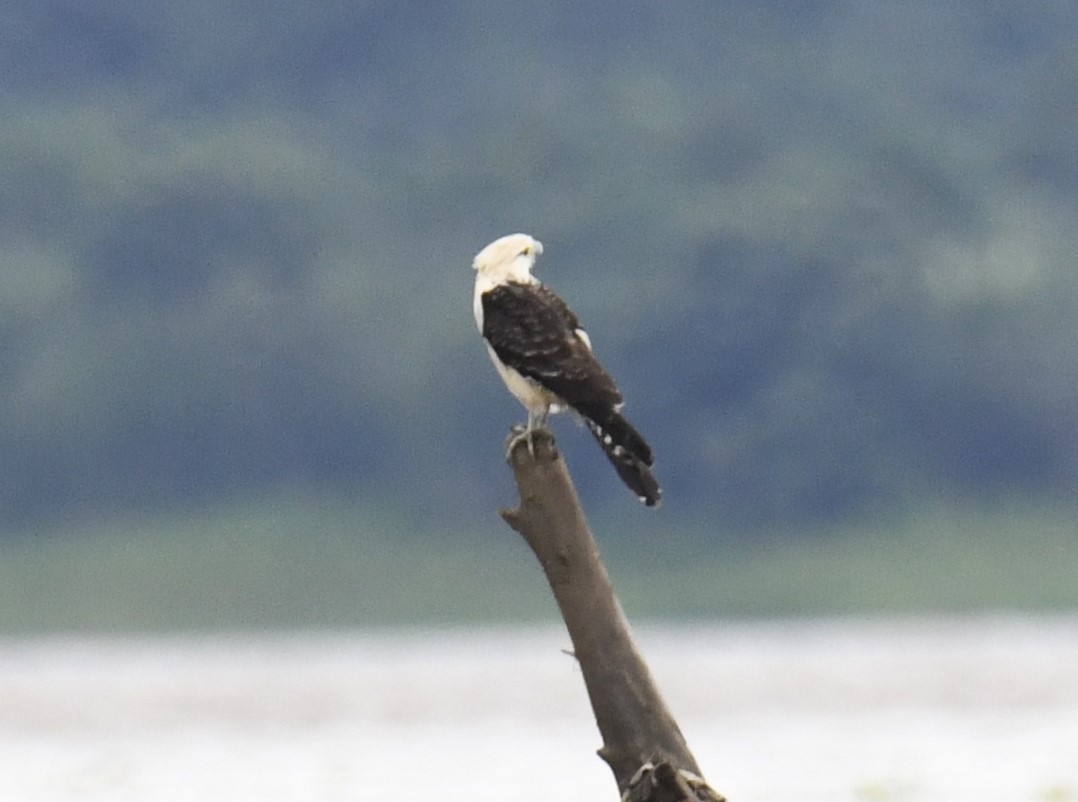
{"x": 526, "y": 251}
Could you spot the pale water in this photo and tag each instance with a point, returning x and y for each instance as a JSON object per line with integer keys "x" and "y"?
{"x": 953, "y": 709}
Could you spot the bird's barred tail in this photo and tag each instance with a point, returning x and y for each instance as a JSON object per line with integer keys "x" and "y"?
{"x": 627, "y": 451}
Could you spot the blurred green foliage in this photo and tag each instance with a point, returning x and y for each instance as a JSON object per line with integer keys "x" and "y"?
{"x": 828, "y": 251}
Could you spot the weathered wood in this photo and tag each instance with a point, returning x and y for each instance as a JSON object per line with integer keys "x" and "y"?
{"x": 641, "y": 740}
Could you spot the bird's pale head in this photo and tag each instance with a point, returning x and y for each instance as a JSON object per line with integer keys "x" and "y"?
{"x": 509, "y": 258}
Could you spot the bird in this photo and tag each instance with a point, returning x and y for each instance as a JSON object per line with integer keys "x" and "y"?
{"x": 545, "y": 358}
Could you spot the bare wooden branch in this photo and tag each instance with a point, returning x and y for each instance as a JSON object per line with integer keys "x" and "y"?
{"x": 641, "y": 741}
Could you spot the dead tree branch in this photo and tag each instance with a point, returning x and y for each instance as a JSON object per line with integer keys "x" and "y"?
{"x": 641, "y": 741}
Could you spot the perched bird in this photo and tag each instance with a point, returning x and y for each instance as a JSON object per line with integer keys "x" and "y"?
{"x": 546, "y": 361}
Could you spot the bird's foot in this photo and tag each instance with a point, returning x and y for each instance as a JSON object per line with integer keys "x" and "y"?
{"x": 538, "y": 438}
{"x": 520, "y": 433}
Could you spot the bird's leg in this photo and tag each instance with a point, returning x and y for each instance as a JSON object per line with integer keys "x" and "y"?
{"x": 536, "y": 423}
{"x": 536, "y": 420}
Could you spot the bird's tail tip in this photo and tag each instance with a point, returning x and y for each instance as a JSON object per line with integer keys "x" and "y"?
{"x": 632, "y": 463}
{"x": 645, "y": 486}
{"x": 641, "y": 481}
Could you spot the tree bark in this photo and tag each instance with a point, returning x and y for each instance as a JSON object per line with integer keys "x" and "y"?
{"x": 642, "y": 743}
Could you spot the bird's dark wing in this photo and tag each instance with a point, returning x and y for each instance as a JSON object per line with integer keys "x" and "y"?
{"x": 533, "y": 332}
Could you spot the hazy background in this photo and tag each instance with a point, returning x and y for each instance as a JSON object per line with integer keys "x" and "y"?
{"x": 828, "y": 250}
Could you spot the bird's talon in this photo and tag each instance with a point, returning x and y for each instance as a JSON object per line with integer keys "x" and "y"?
{"x": 516, "y": 434}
